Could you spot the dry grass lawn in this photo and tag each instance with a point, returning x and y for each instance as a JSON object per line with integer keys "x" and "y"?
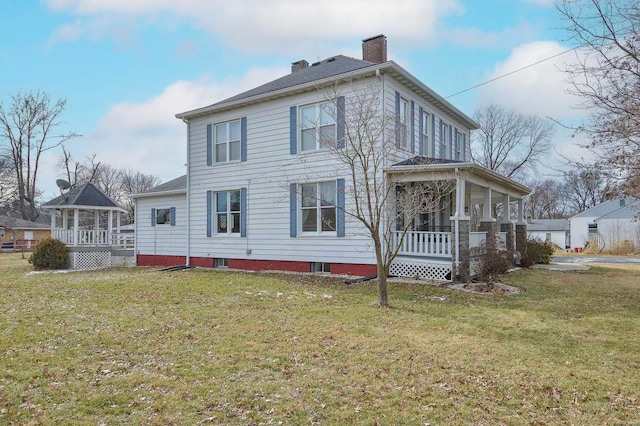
{"x": 138, "y": 346}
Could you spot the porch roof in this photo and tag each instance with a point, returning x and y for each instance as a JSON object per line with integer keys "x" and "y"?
{"x": 86, "y": 197}
{"x": 420, "y": 167}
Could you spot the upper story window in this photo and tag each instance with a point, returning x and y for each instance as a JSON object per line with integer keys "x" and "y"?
{"x": 445, "y": 137}
{"x": 227, "y": 212}
{"x": 458, "y": 146}
{"x": 317, "y": 126}
{"x": 227, "y": 141}
{"x": 403, "y": 122}
{"x": 318, "y": 207}
{"x": 425, "y": 131}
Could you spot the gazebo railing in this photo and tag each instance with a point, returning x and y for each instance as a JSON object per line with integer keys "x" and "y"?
{"x": 94, "y": 238}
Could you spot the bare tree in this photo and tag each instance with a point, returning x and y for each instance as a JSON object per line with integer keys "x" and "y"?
{"x": 28, "y": 128}
{"x": 509, "y": 142}
{"x": 134, "y": 182}
{"x": 382, "y": 203}
{"x": 78, "y": 172}
{"x": 606, "y": 76}
{"x": 546, "y": 201}
{"x": 587, "y": 187}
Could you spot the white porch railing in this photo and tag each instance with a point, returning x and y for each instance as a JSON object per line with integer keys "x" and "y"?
{"x": 421, "y": 243}
{"x": 477, "y": 239}
{"x": 94, "y": 238}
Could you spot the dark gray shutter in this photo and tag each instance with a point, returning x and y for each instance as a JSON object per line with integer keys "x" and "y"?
{"x": 340, "y": 122}
{"x": 173, "y": 216}
{"x": 340, "y": 207}
{"x": 293, "y": 130}
{"x": 421, "y": 135}
{"x": 243, "y": 212}
{"x": 451, "y": 142}
{"x": 397, "y": 119}
{"x": 293, "y": 207}
{"x": 243, "y": 139}
{"x": 209, "y": 213}
{"x": 412, "y": 127}
{"x": 464, "y": 147}
{"x": 209, "y": 145}
{"x": 153, "y": 217}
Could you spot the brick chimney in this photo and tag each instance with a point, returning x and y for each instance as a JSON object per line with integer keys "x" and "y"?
{"x": 300, "y": 65}
{"x": 374, "y": 49}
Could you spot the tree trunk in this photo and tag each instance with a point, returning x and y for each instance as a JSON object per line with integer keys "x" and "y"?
{"x": 382, "y": 273}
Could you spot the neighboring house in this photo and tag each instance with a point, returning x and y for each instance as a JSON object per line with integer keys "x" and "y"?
{"x": 88, "y": 222}
{"x": 18, "y": 234}
{"x": 607, "y": 224}
{"x": 555, "y": 231}
{"x": 255, "y": 160}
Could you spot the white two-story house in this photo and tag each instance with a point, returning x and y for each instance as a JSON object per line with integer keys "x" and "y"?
{"x": 262, "y": 193}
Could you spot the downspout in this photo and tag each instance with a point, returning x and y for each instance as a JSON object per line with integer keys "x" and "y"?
{"x": 135, "y": 230}
{"x": 188, "y": 205}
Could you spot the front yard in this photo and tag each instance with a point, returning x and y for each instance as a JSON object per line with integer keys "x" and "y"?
{"x": 138, "y": 346}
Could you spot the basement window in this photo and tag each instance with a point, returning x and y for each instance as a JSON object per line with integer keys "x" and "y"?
{"x": 221, "y": 262}
{"x": 321, "y": 267}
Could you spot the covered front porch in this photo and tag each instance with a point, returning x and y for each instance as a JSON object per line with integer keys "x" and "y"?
{"x": 483, "y": 211}
{"x": 89, "y": 223}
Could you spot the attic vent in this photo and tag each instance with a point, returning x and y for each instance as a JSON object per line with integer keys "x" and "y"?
{"x": 315, "y": 63}
{"x": 331, "y": 59}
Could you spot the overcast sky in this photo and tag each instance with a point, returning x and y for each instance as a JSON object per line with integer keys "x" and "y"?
{"x": 127, "y": 67}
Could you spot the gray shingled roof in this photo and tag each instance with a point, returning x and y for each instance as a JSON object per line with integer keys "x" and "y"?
{"x": 604, "y": 208}
{"x": 177, "y": 184}
{"x": 548, "y": 225}
{"x": 329, "y": 67}
{"x": 15, "y": 223}
{"x": 85, "y": 195}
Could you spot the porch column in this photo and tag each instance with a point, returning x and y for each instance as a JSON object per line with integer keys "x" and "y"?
{"x": 507, "y": 224}
{"x": 460, "y": 232}
{"x": 488, "y": 223}
{"x": 65, "y": 219}
{"x": 521, "y": 229}
{"x": 110, "y": 227}
{"x": 53, "y": 222}
{"x": 96, "y": 228}
{"x": 76, "y": 226}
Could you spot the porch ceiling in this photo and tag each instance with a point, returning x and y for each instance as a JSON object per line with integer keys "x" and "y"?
{"x": 476, "y": 176}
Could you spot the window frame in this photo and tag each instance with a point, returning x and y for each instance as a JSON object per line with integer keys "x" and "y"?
{"x": 227, "y": 142}
{"x": 318, "y": 208}
{"x": 317, "y": 125}
{"x": 444, "y": 140}
{"x": 458, "y": 146}
{"x": 425, "y": 132}
{"x": 403, "y": 122}
{"x": 228, "y": 213}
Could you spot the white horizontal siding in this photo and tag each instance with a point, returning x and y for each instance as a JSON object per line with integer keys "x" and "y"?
{"x": 161, "y": 239}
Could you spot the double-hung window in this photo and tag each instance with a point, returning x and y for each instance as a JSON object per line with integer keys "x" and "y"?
{"x": 227, "y": 137}
{"x": 318, "y": 207}
{"x": 403, "y": 122}
{"x": 317, "y": 126}
{"x": 227, "y": 212}
{"x": 458, "y": 146}
{"x": 425, "y": 132}
{"x": 445, "y": 137}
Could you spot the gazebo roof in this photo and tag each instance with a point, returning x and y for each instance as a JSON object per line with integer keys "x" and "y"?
{"x": 87, "y": 196}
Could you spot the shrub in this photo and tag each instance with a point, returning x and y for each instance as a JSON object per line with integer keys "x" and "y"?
{"x": 50, "y": 254}
{"x": 535, "y": 252}
{"x": 493, "y": 264}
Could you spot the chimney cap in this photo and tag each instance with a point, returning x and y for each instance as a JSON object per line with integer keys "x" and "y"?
{"x": 374, "y": 37}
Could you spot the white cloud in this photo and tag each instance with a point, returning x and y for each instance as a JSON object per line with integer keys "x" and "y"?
{"x": 146, "y": 136}
{"x": 276, "y": 25}
{"x": 538, "y": 89}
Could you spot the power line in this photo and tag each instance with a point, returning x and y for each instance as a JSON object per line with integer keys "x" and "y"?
{"x": 513, "y": 72}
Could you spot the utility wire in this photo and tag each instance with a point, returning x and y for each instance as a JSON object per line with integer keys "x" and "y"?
{"x": 513, "y": 72}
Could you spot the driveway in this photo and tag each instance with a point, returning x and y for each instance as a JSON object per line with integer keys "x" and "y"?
{"x": 571, "y": 259}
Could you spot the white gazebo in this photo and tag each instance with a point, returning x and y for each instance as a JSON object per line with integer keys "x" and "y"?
{"x": 88, "y": 222}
